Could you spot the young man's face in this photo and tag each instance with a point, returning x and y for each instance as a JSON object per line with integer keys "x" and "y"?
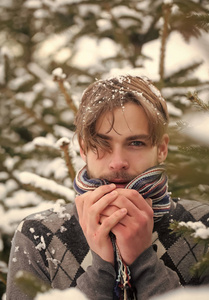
{"x": 131, "y": 152}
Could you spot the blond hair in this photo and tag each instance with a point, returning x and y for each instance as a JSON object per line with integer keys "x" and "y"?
{"x": 105, "y": 95}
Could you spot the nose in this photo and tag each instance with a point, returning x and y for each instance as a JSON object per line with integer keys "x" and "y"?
{"x": 118, "y": 160}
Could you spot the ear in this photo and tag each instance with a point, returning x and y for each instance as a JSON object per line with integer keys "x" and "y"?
{"x": 82, "y": 151}
{"x": 163, "y": 148}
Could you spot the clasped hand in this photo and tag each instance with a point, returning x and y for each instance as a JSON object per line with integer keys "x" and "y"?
{"x": 124, "y": 212}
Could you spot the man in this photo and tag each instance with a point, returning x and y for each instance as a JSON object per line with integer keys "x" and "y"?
{"x": 119, "y": 225}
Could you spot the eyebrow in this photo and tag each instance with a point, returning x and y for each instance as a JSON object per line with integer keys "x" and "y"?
{"x": 138, "y": 137}
{"x": 129, "y": 138}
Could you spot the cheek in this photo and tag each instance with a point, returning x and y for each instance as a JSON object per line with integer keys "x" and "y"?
{"x": 151, "y": 159}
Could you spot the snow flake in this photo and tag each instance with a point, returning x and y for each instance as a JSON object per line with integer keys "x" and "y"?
{"x": 53, "y": 251}
{"x": 17, "y": 249}
{"x": 39, "y": 217}
{"x": 32, "y": 230}
{"x": 55, "y": 261}
{"x": 14, "y": 259}
{"x": 60, "y": 209}
{"x": 41, "y": 245}
{"x": 63, "y": 229}
{"x": 58, "y": 72}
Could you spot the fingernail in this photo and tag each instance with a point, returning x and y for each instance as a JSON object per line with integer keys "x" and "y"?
{"x": 114, "y": 193}
{"x": 112, "y": 185}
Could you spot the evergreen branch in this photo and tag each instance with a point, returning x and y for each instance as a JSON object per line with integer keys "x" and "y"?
{"x": 201, "y": 268}
{"x": 180, "y": 230}
{"x": 32, "y": 114}
{"x": 182, "y": 82}
{"x": 193, "y": 97}
{"x": 68, "y": 99}
{"x": 197, "y": 152}
{"x": 30, "y": 284}
{"x": 191, "y": 19}
{"x": 2, "y": 278}
{"x": 47, "y": 194}
{"x": 64, "y": 146}
{"x": 182, "y": 125}
{"x": 191, "y": 230}
{"x": 190, "y": 6}
{"x": 183, "y": 72}
{"x": 200, "y": 20}
{"x": 166, "y": 14}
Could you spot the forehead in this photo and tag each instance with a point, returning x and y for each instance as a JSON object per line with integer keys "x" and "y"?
{"x": 129, "y": 119}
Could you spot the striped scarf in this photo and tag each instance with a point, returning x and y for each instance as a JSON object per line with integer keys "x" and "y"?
{"x": 153, "y": 184}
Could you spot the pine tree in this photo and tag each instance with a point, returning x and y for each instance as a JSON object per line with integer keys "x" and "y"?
{"x": 44, "y": 67}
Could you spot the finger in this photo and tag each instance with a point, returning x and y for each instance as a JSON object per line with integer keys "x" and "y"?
{"x": 100, "y": 192}
{"x": 109, "y": 210}
{"x": 86, "y": 200}
{"x": 95, "y": 211}
{"x": 149, "y": 201}
{"x": 137, "y": 199}
{"x": 110, "y": 222}
{"x": 122, "y": 201}
{"x": 79, "y": 205}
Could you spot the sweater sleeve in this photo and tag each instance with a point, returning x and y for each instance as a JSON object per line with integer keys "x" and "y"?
{"x": 97, "y": 282}
{"x": 24, "y": 257}
{"x": 151, "y": 277}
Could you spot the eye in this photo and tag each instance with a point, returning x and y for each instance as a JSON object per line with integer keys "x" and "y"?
{"x": 137, "y": 143}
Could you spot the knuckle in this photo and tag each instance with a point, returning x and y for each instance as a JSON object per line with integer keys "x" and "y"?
{"x": 134, "y": 193}
{"x": 106, "y": 222}
{"x": 77, "y": 199}
{"x": 104, "y": 188}
{"x": 150, "y": 212}
{"x": 122, "y": 199}
{"x": 91, "y": 210}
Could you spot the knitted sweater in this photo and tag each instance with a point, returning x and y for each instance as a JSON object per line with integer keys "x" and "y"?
{"x": 51, "y": 246}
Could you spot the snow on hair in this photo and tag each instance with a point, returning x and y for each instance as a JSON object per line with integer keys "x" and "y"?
{"x": 106, "y": 95}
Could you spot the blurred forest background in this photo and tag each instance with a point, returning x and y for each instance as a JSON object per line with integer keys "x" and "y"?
{"x": 51, "y": 50}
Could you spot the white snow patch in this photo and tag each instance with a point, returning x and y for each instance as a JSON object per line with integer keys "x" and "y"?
{"x": 58, "y": 72}
{"x": 201, "y": 231}
{"x": 41, "y": 245}
{"x": 10, "y": 219}
{"x": 60, "y": 209}
{"x": 174, "y": 111}
{"x": 97, "y": 51}
{"x": 68, "y": 294}
{"x": 198, "y": 128}
{"x": 48, "y": 141}
{"x": 63, "y": 131}
{"x": 22, "y": 199}
{"x": 185, "y": 294}
{"x": 63, "y": 141}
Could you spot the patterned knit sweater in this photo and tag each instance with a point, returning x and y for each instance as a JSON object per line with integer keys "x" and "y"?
{"x": 51, "y": 245}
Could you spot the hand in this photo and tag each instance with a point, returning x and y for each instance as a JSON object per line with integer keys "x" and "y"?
{"x": 90, "y": 206}
{"x": 134, "y": 232}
